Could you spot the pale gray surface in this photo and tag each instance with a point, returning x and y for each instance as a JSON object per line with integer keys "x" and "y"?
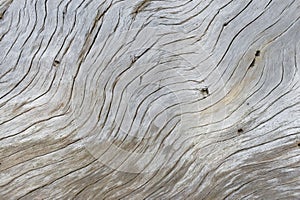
{"x": 107, "y": 99}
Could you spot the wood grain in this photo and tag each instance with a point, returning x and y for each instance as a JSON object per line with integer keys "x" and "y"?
{"x": 145, "y": 99}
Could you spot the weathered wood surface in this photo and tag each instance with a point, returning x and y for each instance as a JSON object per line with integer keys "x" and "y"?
{"x": 149, "y": 99}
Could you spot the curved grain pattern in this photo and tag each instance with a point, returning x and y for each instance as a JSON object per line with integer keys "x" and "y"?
{"x": 149, "y": 99}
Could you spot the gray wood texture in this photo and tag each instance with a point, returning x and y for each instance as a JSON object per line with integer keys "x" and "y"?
{"x": 145, "y": 99}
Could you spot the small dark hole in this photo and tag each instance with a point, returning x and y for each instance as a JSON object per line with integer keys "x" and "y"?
{"x": 205, "y": 90}
{"x": 240, "y": 130}
{"x": 56, "y": 63}
{"x": 225, "y": 24}
{"x": 298, "y": 144}
{"x": 257, "y": 53}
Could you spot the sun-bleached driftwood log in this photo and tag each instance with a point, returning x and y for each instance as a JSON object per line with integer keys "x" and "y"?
{"x": 144, "y": 99}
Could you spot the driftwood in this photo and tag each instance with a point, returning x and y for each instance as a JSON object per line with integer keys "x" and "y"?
{"x": 149, "y": 99}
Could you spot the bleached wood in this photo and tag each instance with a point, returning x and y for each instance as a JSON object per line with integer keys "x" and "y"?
{"x": 146, "y": 99}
